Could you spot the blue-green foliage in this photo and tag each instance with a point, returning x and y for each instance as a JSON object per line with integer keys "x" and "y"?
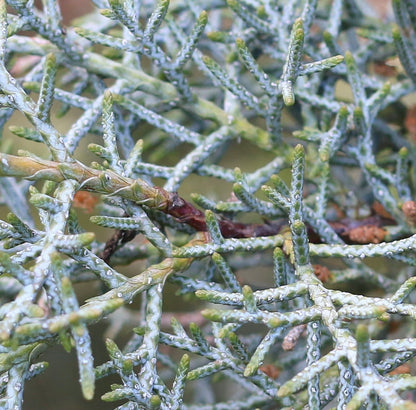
{"x": 168, "y": 90}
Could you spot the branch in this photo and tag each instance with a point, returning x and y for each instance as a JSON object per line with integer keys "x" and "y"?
{"x": 140, "y": 192}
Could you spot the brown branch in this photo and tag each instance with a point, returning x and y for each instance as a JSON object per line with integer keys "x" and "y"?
{"x": 119, "y": 238}
{"x": 366, "y": 230}
{"x": 183, "y": 211}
